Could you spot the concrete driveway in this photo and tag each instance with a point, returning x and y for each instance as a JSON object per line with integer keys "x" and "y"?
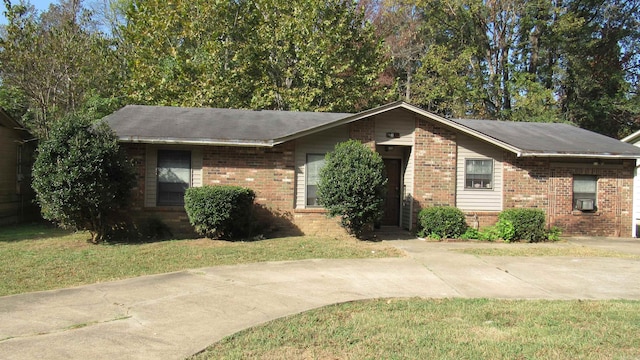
{"x": 172, "y": 316}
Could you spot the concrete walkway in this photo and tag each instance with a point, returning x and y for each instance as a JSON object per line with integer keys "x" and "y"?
{"x": 172, "y": 316}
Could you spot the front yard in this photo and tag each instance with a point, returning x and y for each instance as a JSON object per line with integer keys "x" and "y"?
{"x": 38, "y": 257}
{"x": 444, "y": 329}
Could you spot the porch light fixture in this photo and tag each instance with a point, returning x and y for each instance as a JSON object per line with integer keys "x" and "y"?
{"x": 388, "y": 148}
{"x": 393, "y": 135}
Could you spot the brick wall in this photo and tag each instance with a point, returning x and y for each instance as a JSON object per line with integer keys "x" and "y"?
{"x": 527, "y": 183}
{"x": 435, "y": 167}
{"x": 364, "y": 130}
{"x": 614, "y": 201}
{"x": 268, "y": 171}
{"x": 547, "y": 185}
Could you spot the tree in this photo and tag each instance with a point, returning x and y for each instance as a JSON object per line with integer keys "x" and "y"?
{"x": 399, "y": 23}
{"x": 54, "y": 60}
{"x": 80, "y": 177}
{"x": 353, "y": 185}
{"x": 310, "y": 55}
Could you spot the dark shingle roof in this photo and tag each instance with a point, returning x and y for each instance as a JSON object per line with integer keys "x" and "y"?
{"x": 161, "y": 124}
{"x": 212, "y": 126}
{"x": 550, "y": 138}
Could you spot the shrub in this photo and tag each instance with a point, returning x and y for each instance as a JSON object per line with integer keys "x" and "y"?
{"x": 470, "y": 234}
{"x": 81, "y": 178}
{"x": 528, "y": 224}
{"x": 444, "y": 221}
{"x": 220, "y": 211}
{"x": 553, "y": 234}
{"x": 353, "y": 185}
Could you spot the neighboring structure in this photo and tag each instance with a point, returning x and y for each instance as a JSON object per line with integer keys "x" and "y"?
{"x": 16, "y": 148}
{"x": 582, "y": 180}
{"x": 634, "y": 139}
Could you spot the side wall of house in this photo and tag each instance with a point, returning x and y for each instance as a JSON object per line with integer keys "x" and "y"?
{"x": 548, "y": 185}
{"x": 16, "y": 195}
{"x": 9, "y": 194}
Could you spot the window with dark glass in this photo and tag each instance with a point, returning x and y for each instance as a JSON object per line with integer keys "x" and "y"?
{"x": 478, "y": 174}
{"x": 314, "y": 163}
{"x": 585, "y": 189}
{"x": 174, "y": 176}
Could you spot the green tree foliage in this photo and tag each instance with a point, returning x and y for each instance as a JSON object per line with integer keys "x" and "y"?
{"x": 353, "y": 185}
{"x": 80, "y": 177}
{"x": 261, "y": 54}
{"x": 543, "y": 60}
{"x": 53, "y": 60}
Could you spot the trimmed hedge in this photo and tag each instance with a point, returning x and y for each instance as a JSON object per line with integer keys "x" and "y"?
{"x": 528, "y": 224}
{"x": 442, "y": 222}
{"x": 220, "y": 212}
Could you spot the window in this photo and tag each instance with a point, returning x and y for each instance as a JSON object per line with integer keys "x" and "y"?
{"x": 585, "y": 188}
{"x": 478, "y": 174}
{"x": 314, "y": 163}
{"x": 174, "y": 176}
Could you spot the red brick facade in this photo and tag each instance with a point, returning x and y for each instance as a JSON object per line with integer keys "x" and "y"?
{"x": 548, "y": 185}
{"x": 527, "y": 183}
{"x": 435, "y": 167}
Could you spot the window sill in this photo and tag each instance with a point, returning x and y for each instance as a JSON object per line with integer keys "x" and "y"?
{"x": 584, "y": 213}
{"x": 310, "y": 211}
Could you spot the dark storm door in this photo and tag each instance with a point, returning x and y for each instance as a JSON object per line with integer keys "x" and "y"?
{"x": 392, "y": 201}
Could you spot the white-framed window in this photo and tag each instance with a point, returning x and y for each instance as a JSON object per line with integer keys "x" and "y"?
{"x": 585, "y": 190}
{"x": 478, "y": 174}
{"x": 313, "y": 165}
{"x": 173, "y": 176}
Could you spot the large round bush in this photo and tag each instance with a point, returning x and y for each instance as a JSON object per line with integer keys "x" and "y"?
{"x": 353, "y": 185}
{"x": 81, "y": 178}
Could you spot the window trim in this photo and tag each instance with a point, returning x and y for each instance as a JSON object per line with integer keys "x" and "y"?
{"x": 589, "y": 196}
{"x": 159, "y": 201}
{"x": 306, "y": 181}
{"x": 493, "y": 169}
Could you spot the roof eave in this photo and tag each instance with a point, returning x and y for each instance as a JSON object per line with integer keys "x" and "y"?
{"x": 631, "y": 138}
{"x": 575, "y": 155}
{"x": 172, "y": 141}
{"x": 406, "y": 106}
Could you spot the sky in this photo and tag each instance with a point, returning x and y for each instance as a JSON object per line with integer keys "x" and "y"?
{"x": 39, "y": 4}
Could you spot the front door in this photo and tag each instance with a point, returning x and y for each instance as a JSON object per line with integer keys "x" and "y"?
{"x": 392, "y": 201}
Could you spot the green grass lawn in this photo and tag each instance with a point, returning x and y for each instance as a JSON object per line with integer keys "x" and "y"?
{"x": 37, "y": 257}
{"x": 444, "y": 329}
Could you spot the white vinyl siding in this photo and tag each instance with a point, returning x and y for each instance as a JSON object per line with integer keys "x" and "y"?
{"x": 320, "y": 143}
{"x": 636, "y": 200}
{"x": 151, "y": 164}
{"x": 407, "y": 203}
{"x": 399, "y": 122}
{"x": 478, "y": 199}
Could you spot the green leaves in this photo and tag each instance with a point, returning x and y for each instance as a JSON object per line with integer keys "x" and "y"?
{"x": 54, "y": 60}
{"x": 80, "y": 177}
{"x": 220, "y": 211}
{"x": 306, "y": 55}
{"x": 353, "y": 185}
